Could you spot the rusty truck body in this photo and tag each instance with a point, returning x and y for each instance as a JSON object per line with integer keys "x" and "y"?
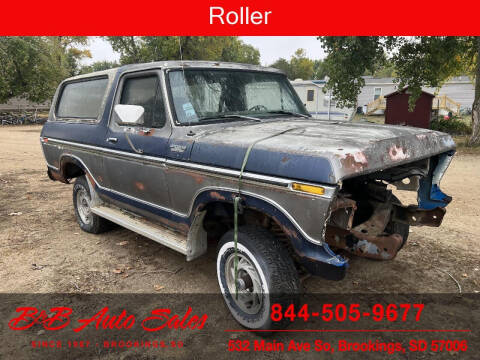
{"x": 165, "y": 148}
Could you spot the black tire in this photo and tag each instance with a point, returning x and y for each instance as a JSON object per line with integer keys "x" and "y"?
{"x": 95, "y": 223}
{"x": 276, "y": 272}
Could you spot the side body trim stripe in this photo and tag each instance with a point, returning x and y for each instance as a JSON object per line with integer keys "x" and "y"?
{"x": 329, "y": 190}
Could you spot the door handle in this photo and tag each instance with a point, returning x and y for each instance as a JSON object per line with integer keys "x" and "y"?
{"x": 112, "y": 139}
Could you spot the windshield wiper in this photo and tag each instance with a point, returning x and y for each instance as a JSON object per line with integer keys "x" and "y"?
{"x": 229, "y": 116}
{"x": 287, "y": 113}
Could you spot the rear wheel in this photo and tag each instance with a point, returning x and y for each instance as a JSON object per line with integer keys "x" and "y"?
{"x": 266, "y": 275}
{"x": 87, "y": 220}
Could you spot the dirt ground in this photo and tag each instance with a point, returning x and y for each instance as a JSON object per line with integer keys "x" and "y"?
{"x": 43, "y": 250}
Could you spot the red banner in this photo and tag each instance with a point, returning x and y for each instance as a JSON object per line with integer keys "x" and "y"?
{"x": 217, "y": 17}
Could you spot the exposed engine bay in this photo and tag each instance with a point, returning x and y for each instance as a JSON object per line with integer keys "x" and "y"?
{"x": 367, "y": 219}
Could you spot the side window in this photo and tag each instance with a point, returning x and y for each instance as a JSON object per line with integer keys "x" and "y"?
{"x": 377, "y": 92}
{"x": 82, "y": 99}
{"x": 145, "y": 91}
{"x": 310, "y": 94}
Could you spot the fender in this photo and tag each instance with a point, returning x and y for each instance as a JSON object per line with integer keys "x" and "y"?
{"x": 319, "y": 259}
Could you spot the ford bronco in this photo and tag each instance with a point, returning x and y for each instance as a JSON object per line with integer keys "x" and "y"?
{"x": 196, "y": 153}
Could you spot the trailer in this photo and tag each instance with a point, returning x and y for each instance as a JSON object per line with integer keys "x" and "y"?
{"x": 319, "y": 103}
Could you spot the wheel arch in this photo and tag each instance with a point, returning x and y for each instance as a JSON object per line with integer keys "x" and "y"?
{"x": 69, "y": 167}
{"x": 319, "y": 259}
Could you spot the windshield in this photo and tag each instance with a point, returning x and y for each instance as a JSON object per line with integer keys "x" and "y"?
{"x": 215, "y": 95}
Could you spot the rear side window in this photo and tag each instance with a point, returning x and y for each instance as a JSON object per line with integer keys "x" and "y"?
{"x": 82, "y": 99}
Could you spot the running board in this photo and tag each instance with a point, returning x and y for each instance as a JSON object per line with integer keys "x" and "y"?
{"x": 143, "y": 227}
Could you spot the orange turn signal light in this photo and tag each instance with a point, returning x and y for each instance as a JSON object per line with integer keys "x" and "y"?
{"x": 311, "y": 189}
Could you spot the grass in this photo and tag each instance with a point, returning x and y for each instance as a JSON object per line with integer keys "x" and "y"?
{"x": 462, "y": 147}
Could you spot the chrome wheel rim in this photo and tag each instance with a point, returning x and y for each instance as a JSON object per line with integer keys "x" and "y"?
{"x": 249, "y": 284}
{"x": 83, "y": 206}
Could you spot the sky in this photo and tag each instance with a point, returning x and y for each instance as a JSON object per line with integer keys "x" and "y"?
{"x": 271, "y": 48}
{"x": 274, "y": 47}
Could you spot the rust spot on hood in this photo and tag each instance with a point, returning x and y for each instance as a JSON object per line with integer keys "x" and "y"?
{"x": 139, "y": 185}
{"x": 355, "y": 162}
{"x": 397, "y": 153}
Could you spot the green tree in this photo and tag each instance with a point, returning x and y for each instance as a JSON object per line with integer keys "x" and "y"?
{"x": 98, "y": 66}
{"x": 284, "y": 65}
{"x": 383, "y": 68}
{"x": 319, "y": 70}
{"x": 136, "y": 49}
{"x": 33, "y": 66}
{"x": 416, "y": 62}
{"x": 299, "y": 66}
{"x": 66, "y": 54}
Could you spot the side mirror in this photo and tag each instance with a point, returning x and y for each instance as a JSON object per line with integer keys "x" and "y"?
{"x": 129, "y": 114}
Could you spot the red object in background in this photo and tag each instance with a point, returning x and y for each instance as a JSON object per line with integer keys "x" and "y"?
{"x": 397, "y": 112}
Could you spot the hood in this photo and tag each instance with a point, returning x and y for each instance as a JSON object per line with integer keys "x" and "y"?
{"x": 316, "y": 150}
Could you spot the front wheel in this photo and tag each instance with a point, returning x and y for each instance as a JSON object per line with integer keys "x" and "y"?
{"x": 266, "y": 275}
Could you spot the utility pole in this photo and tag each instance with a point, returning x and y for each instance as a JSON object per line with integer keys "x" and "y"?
{"x": 329, "y": 97}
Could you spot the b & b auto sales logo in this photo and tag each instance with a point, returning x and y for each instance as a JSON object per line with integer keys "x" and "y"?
{"x": 60, "y": 317}
{"x": 314, "y": 334}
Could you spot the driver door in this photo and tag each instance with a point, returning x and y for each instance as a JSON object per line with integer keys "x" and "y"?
{"x": 135, "y": 170}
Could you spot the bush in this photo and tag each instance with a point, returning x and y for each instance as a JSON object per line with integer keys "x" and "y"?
{"x": 453, "y": 126}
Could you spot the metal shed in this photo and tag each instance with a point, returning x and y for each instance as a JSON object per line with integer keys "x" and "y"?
{"x": 397, "y": 112}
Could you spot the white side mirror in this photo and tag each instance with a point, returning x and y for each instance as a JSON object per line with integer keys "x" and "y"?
{"x": 129, "y": 114}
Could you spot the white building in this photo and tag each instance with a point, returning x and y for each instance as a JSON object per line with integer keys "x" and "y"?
{"x": 318, "y": 103}
{"x": 460, "y": 89}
